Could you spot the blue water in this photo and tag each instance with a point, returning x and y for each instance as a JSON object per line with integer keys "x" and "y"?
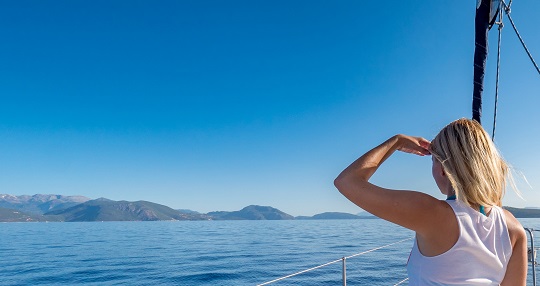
{"x": 202, "y": 252}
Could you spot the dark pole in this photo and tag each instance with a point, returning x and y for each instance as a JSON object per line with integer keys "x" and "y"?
{"x": 480, "y": 54}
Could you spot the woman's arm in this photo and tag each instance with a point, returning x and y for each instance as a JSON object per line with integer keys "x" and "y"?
{"x": 414, "y": 210}
{"x": 365, "y": 166}
{"x": 516, "y": 271}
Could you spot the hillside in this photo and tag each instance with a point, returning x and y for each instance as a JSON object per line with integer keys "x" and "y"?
{"x": 335, "y": 215}
{"x": 108, "y": 210}
{"x": 11, "y": 215}
{"x": 39, "y": 203}
{"x": 524, "y": 213}
{"x": 252, "y": 212}
{"x": 43, "y": 207}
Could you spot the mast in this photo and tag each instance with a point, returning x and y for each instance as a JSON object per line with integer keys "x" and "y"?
{"x": 486, "y": 12}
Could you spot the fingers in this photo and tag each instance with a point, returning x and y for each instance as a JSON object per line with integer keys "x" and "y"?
{"x": 415, "y": 145}
{"x": 424, "y": 143}
{"x": 420, "y": 152}
{"x": 415, "y": 151}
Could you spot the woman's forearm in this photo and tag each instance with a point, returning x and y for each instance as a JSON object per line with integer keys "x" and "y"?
{"x": 365, "y": 166}
{"x": 354, "y": 184}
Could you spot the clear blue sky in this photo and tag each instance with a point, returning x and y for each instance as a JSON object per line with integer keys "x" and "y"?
{"x": 215, "y": 105}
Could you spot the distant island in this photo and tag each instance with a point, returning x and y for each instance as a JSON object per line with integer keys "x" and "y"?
{"x": 60, "y": 208}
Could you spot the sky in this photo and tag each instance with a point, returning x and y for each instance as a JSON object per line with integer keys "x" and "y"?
{"x": 216, "y": 105}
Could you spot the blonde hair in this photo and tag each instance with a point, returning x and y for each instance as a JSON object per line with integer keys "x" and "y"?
{"x": 470, "y": 160}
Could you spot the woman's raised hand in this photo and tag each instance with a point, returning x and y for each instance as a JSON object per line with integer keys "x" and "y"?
{"x": 413, "y": 145}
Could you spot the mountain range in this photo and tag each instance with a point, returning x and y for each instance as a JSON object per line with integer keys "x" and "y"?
{"x": 108, "y": 210}
{"x": 40, "y": 207}
{"x": 40, "y": 204}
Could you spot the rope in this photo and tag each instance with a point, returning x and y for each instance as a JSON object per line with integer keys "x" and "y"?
{"x": 300, "y": 272}
{"x": 371, "y": 250}
{"x": 401, "y": 282}
{"x": 507, "y": 10}
{"x": 501, "y": 25}
{"x": 332, "y": 262}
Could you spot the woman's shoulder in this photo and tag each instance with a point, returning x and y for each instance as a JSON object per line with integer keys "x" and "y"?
{"x": 515, "y": 229}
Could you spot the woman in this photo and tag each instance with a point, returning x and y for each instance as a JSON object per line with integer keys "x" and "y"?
{"x": 467, "y": 239}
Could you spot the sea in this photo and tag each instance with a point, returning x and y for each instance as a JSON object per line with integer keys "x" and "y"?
{"x": 205, "y": 252}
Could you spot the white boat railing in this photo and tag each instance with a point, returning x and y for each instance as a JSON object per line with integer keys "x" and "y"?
{"x": 531, "y": 253}
{"x": 343, "y": 260}
{"x": 531, "y": 259}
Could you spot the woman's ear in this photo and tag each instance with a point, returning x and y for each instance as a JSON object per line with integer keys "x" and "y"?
{"x": 440, "y": 169}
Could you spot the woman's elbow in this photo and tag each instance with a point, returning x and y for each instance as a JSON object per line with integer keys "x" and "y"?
{"x": 341, "y": 183}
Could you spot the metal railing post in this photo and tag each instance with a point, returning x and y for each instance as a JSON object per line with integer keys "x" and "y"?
{"x": 344, "y": 271}
{"x": 343, "y": 261}
{"x": 533, "y": 258}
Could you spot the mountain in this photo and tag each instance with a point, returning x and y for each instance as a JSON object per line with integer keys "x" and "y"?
{"x": 364, "y": 214}
{"x": 252, "y": 212}
{"x": 39, "y": 204}
{"x": 335, "y": 215}
{"x": 11, "y": 215}
{"x": 42, "y": 207}
{"x": 524, "y": 213}
{"x": 108, "y": 210}
{"x": 186, "y": 211}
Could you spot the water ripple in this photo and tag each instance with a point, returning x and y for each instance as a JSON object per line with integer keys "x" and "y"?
{"x": 198, "y": 253}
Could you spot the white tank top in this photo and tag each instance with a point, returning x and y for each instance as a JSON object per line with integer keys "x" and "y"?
{"x": 479, "y": 257}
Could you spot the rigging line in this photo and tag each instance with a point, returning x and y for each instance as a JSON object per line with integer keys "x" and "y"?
{"x": 507, "y": 10}
{"x": 401, "y": 282}
{"x": 377, "y": 248}
{"x": 332, "y": 262}
{"x": 501, "y": 25}
{"x": 300, "y": 272}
